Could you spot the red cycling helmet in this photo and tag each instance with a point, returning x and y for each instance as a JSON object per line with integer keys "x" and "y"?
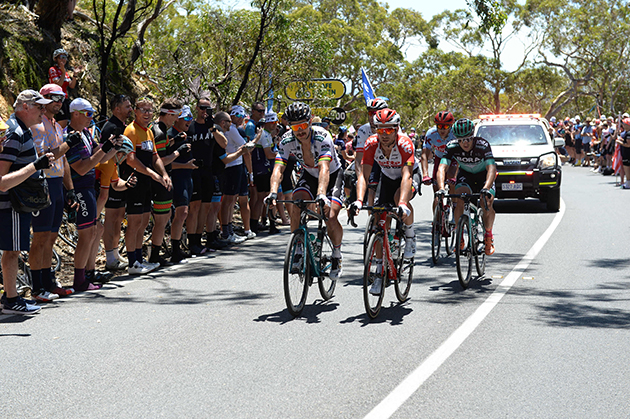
{"x": 444, "y": 118}
{"x": 386, "y": 117}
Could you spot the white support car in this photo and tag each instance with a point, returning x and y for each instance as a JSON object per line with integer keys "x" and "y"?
{"x": 527, "y": 163}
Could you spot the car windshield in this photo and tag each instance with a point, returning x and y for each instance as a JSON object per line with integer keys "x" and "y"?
{"x": 513, "y": 135}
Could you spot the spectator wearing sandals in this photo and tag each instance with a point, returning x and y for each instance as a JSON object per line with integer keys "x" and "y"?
{"x": 48, "y": 137}
{"x": 116, "y": 200}
{"x": 18, "y": 161}
{"x": 83, "y": 158}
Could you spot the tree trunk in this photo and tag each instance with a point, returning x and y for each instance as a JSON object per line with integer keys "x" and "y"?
{"x": 52, "y": 14}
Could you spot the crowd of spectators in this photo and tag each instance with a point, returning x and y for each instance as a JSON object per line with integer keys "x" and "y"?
{"x": 600, "y": 144}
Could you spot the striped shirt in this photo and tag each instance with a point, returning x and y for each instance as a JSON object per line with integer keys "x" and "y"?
{"x": 19, "y": 149}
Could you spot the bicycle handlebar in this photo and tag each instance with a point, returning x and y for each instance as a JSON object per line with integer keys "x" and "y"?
{"x": 467, "y": 197}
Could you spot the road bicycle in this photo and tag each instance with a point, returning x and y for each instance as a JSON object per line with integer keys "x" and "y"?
{"x": 308, "y": 256}
{"x": 470, "y": 238}
{"x": 442, "y": 226}
{"x": 384, "y": 259}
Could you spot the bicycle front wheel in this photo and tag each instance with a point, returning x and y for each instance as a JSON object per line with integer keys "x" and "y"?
{"x": 373, "y": 271}
{"x": 436, "y": 234}
{"x": 325, "y": 284}
{"x": 450, "y": 240}
{"x": 296, "y": 273}
{"x": 370, "y": 227}
{"x": 402, "y": 285}
{"x": 463, "y": 251}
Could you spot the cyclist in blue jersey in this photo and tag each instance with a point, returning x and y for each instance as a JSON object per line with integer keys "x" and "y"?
{"x": 477, "y": 172}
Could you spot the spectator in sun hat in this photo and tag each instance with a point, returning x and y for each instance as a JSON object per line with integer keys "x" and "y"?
{"x": 19, "y": 155}
{"x": 48, "y": 136}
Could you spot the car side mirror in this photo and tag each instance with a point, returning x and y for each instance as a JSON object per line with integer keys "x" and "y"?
{"x": 558, "y": 142}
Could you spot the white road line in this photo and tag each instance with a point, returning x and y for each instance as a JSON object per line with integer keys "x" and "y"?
{"x": 412, "y": 383}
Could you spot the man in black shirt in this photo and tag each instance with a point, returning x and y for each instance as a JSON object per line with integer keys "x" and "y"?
{"x": 116, "y": 200}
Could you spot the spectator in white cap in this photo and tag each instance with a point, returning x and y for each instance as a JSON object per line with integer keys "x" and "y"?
{"x": 236, "y": 181}
{"x": 83, "y": 158}
{"x": 48, "y": 136}
{"x": 263, "y": 158}
{"x": 18, "y": 155}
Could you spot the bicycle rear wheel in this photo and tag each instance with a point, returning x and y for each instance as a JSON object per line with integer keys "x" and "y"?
{"x": 480, "y": 256}
{"x": 296, "y": 273}
{"x": 436, "y": 234}
{"x": 371, "y": 271}
{"x": 325, "y": 284}
{"x": 463, "y": 251}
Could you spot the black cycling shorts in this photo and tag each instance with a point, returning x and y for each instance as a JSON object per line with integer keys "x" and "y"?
{"x": 474, "y": 181}
{"x": 309, "y": 183}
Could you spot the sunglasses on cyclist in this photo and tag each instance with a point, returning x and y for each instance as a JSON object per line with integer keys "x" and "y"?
{"x": 465, "y": 139}
{"x": 387, "y": 131}
{"x": 89, "y": 114}
{"x": 298, "y": 127}
{"x": 443, "y": 126}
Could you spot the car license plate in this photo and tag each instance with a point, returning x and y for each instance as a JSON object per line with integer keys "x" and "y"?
{"x": 511, "y": 162}
{"x": 511, "y": 186}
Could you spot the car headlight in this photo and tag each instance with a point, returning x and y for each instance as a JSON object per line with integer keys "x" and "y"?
{"x": 548, "y": 161}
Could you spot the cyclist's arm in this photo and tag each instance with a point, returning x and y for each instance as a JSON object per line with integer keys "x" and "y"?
{"x": 362, "y": 181}
{"x": 324, "y": 176}
{"x": 358, "y": 165}
{"x": 424, "y": 161}
{"x": 441, "y": 175}
{"x": 276, "y": 176}
{"x": 406, "y": 184}
{"x": 490, "y": 175}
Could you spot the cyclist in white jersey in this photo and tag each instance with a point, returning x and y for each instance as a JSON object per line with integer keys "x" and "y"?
{"x": 322, "y": 177}
{"x": 436, "y": 140}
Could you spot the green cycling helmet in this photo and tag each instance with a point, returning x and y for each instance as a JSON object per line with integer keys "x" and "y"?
{"x": 463, "y": 128}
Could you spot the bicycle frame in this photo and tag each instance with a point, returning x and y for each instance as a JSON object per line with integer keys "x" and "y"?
{"x": 383, "y": 213}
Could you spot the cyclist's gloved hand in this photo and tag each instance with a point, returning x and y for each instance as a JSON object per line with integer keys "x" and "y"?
{"x": 440, "y": 194}
{"x": 486, "y": 192}
{"x": 42, "y": 162}
{"x": 355, "y": 207}
{"x": 73, "y": 139}
{"x": 271, "y": 198}
{"x": 71, "y": 198}
{"x": 427, "y": 180}
{"x": 183, "y": 149}
{"x": 403, "y": 210}
{"x": 323, "y": 200}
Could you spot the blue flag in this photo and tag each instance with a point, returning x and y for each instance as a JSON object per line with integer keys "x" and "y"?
{"x": 368, "y": 92}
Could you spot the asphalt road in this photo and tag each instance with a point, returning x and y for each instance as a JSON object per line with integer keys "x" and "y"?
{"x": 544, "y": 334}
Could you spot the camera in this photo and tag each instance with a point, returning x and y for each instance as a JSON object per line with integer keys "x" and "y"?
{"x": 209, "y": 120}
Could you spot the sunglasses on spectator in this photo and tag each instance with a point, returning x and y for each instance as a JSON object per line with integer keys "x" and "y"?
{"x": 89, "y": 114}
{"x": 443, "y": 126}
{"x": 386, "y": 131}
{"x": 3, "y": 132}
{"x": 239, "y": 115}
{"x": 259, "y": 110}
{"x": 187, "y": 118}
{"x": 56, "y": 98}
{"x": 203, "y": 107}
{"x": 465, "y": 139}
{"x": 65, "y": 57}
{"x": 298, "y": 127}
{"x": 37, "y": 105}
{"x": 145, "y": 110}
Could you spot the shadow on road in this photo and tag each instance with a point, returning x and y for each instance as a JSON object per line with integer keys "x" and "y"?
{"x": 310, "y": 314}
{"x": 394, "y": 315}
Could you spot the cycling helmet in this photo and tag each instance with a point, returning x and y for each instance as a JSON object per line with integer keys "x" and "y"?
{"x": 59, "y": 52}
{"x": 376, "y": 104}
{"x": 126, "y": 148}
{"x": 298, "y": 111}
{"x": 463, "y": 128}
{"x": 386, "y": 117}
{"x": 444, "y": 118}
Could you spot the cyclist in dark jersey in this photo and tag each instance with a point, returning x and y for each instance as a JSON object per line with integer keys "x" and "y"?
{"x": 477, "y": 171}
